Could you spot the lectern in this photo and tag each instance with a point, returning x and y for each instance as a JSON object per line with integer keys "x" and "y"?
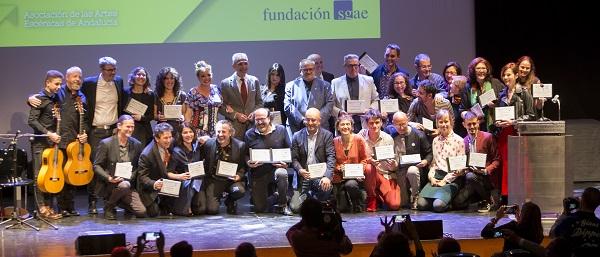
{"x": 536, "y": 165}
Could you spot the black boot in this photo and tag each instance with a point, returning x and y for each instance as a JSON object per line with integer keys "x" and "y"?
{"x": 231, "y": 207}
{"x": 92, "y": 208}
{"x": 109, "y": 213}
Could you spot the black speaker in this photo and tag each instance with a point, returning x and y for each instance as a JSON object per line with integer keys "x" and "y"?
{"x": 427, "y": 229}
{"x": 98, "y": 242}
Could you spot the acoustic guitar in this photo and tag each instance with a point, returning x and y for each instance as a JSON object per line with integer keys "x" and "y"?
{"x": 51, "y": 178}
{"x": 78, "y": 170}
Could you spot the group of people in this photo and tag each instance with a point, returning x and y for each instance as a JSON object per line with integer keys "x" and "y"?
{"x": 223, "y": 124}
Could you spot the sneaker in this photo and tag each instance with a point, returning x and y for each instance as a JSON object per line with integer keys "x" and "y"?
{"x": 484, "y": 207}
{"x": 286, "y": 211}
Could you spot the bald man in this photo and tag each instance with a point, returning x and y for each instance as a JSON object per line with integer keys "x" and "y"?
{"x": 312, "y": 145}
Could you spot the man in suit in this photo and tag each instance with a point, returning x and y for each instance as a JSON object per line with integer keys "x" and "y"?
{"x": 241, "y": 95}
{"x": 480, "y": 182}
{"x": 153, "y": 169}
{"x": 409, "y": 141}
{"x": 353, "y": 86}
{"x": 312, "y": 145}
{"x": 305, "y": 92}
{"x": 118, "y": 191}
{"x": 319, "y": 72}
{"x": 224, "y": 147}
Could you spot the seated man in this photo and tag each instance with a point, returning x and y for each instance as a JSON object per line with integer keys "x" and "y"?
{"x": 479, "y": 182}
{"x": 312, "y": 145}
{"x": 223, "y": 147}
{"x": 264, "y": 176}
{"x": 118, "y": 191}
{"x": 153, "y": 169}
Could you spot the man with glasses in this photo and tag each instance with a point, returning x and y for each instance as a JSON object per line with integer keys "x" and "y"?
{"x": 307, "y": 91}
{"x": 353, "y": 86}
{"x": 423, "y": 68}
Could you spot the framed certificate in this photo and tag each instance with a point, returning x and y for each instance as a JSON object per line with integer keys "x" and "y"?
{"x": 410, "y": 159}
{"x": 388, "y": 105}
{"x": 428, "y": 124}
{"x": 541, "y": 90}
{"x": 504, "y": 113}
{"x": 136, "y": 107}
{"x": 353, "y": 171}
{"x": 384, "y": 152}
{"x": 123, "y": 170}
{"x": 196, "y": 169}
{"x": 457, "y": 162}
{"x": 487, "y": 97}
{"x": 276, "y": 118}
{"x": 281, "y": 155}
{"x": 366, "y": 61}
{"x": 317, "y": 170}
{"x": 356, "y": 106}
{"x": 260, "y": 155}
{"x": 172, "y": 112}
{"x": 170, "y": 187}
{"x": 226, "y": 169}
{"x": 477, "y": 159}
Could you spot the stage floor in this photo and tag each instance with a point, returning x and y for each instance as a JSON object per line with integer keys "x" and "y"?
{"x": 215, "y": 232}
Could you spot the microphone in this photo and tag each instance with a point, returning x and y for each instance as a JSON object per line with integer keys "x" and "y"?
{"x": 555, "y": 99}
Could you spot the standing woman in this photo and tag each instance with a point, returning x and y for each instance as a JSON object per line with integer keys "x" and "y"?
{"x": 202, "y": 103}
{"x": 512, "y": 95}
{"x": 526, "y": 78}
{"x": 139, "y": 90}
{"x": 191, "y": 198}
{"x": 273, "y": 92}
{"x": 398, "y": 89}
{"x": 443, "y": 182}
{"x": 349, "y": 149}
{"x": 480, "y": 81}
{"x": 168, "y": 92}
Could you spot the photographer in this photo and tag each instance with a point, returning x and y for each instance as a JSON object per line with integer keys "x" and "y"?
{"x": 581, "y": 228}
{"x": 319, "y": 233}
{"x": 528, "y": 224}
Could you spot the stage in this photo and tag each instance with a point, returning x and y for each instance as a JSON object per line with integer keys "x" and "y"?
{"x": 217, "y": 232}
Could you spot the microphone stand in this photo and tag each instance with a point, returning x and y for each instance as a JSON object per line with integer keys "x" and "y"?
{"x": 557, "y": 101}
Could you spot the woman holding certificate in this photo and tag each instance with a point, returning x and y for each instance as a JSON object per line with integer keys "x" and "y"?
{"x": 273, "y": 92}
{"x": 352, "y": 157}
{"x": 169, "y": 98}
{"x": 444, "y": 176}
{"x": 521, "y": 99}
{"x": 398, "y": 89}
{"x": 140, "y": 104}
{"x": 202, "y": 103}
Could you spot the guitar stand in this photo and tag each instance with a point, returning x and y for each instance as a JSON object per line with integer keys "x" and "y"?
{"x": 37, "y": 216}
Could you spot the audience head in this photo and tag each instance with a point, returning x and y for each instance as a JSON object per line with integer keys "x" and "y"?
{"x": 398, "y": 85}
{"x": 480, "y": 70}
{"x": 312, "y": 120}
{"x": 139, "y": 76}
{"x": 168, "y": 78}
{"x": 125, "y": 125}
{"x": 311, "y": 212}
{"x": 224, "y": 131}
{"x": 182, "y": 249}
{"x": 74, "y": 78}
{"x": 351, "y": 65}
{"x": 53, "y": 81}
{"x": 307, "y": 70}
{"x": 120, "y": 251}
{"x": 275, "y": 75}
{"x": 530, "y": 222}
{"x": 590, "y": 199}
{"x": 344, "y": 123}
{"x": 203, "y": 72}
{"x": 108, "y": 68}
{"x": 448, "y": 245}
{"x": 239, "y": 62}
{"x": 423, "y": 65}
{"x": 245, "y": 249}
{"x": 392, "y": 244}
{"x": 451, "y": 69}
{"x": 163, "y": 134}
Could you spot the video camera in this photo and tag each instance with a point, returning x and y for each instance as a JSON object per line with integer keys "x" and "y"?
{"x": 571, "y": 204}
{"x": 331, "y": 222}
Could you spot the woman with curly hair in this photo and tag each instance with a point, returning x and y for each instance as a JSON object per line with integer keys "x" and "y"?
{"x": 202, "y": 103}
{"x": 168, "y": 92}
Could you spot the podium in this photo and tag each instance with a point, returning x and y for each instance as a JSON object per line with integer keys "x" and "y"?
{"x": 537, "y": 165}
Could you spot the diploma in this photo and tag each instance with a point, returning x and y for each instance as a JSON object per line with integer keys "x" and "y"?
{"x": 356, "y": 106}
{"x": 410, "y": 159}
{"x": 428, "y": 124}
{"x": 136, "y": 107}
{"x": 487, "y": 97}
{"x": 542, "y": 90}
{"x": 457, "y": 162}
{"x": 504, "y": 113}
{"x": 353, "y": 171}
{"x": 366, "y": 61}
{"x": 260, "y": 155}
{"x": 476, "y": 109}
{"x": 384, "y": 152}
{"x": 317, "y": 170}
{"x": 226, "y": 169}
{"x": 477, "y": 159}
{"x": 276, "y": 118}
{"x": 123, "y": 170}
{"x": 196, "y": 169}
{"x": 172, "y": 112}
{"x": 281, "y": 155}
{"x": 170, "y": 187}
{"x": 388, "y": 105}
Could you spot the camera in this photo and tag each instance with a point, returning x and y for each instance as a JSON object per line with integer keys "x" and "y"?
{"x": 151, "y": 236}
{"x": 511, "y": 209}
{"x": 571, "y": 204}
{"x": 401, "y": 218}
{"x": 331, "y": 221}
{"x": 498, "y": 234}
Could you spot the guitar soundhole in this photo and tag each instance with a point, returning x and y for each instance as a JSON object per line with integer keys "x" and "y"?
{"x": 54, "y": 179}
